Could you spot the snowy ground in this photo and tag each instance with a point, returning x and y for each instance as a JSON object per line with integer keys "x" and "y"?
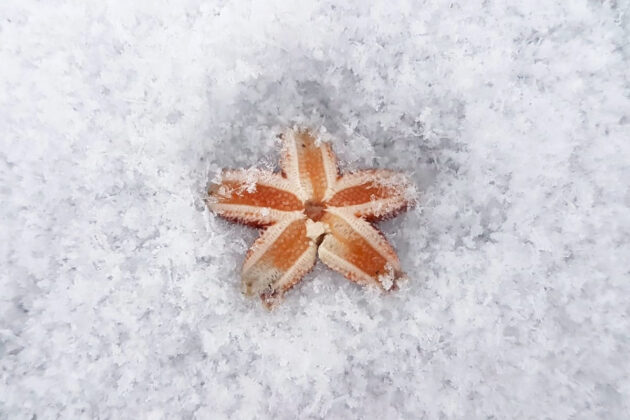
{"x": 119, "y": 292}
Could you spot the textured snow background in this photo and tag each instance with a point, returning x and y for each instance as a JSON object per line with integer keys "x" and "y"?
{"x": 120, "y": 293}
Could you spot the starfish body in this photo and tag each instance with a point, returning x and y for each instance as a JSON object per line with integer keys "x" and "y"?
{"x": 310, "y": 210}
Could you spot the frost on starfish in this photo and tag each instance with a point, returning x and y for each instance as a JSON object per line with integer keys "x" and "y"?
{"x": 308, "y": 210}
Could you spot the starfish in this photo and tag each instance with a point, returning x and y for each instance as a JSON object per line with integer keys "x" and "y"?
{"x": 310, "y": 210}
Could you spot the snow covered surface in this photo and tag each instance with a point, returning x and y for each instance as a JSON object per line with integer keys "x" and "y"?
{"x": 120, "y": 294}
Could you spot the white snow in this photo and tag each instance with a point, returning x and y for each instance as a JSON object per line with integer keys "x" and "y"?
{"x": 120, "y": 293}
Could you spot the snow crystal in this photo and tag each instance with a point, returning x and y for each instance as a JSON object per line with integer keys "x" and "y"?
{"x": 120, "y": 293}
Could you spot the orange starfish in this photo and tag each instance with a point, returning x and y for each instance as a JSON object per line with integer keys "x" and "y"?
{"x": 310, "y": 209}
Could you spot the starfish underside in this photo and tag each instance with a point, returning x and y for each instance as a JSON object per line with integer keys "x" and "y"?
{"x": 308, "y": 210}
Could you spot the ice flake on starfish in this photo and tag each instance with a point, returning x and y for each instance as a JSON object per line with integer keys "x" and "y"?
{"x": 315, "y": 230}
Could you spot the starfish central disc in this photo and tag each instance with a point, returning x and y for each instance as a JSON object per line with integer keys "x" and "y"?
{"x": 314, "y": 210}
{"x": 310, "y": 210}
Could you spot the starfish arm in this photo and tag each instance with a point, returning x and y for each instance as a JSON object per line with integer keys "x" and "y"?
{"x": 252, "y": 197}
{"x": 279, "y": 259}
{"x": 357, "y": 250}
{"x": 309, "y": 165}
{"x": 373, "y": 194}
